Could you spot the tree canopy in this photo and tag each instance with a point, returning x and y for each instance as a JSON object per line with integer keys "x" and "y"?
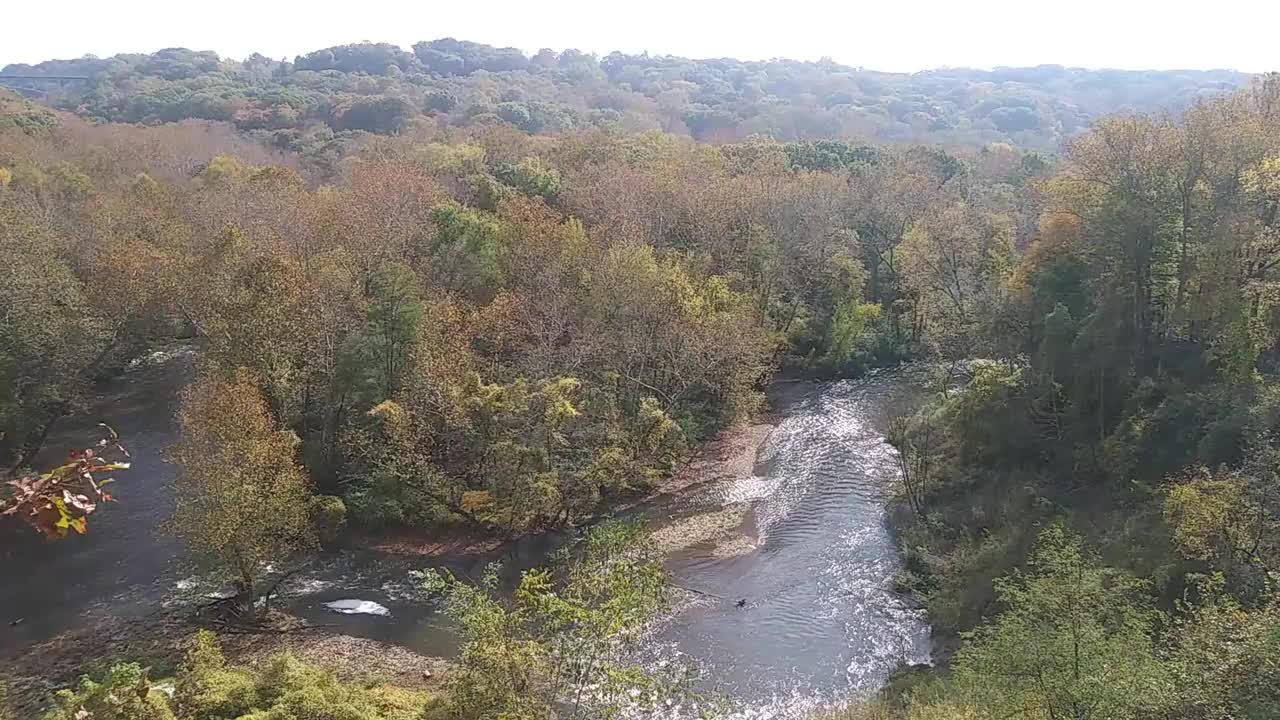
{"x": 379, "y": 87}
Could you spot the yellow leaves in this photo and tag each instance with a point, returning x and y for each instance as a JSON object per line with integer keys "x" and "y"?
{"x": 223, "y": 169}
{"x": 556, "y": 394}
{"x": 1059, "y": 230}
{"x": 255, "y": 314}
{"x": 281, "y": 177}
{"x": 1058, "y": 239}
{"x": 397, "y": 423}
{"x": 847, "y": 267}
{"x": 1263, "y": 180}
{"x": 658, "y": 432}
{"x": 538, "y": 242}
{"x": 632, "y": 281}
{"x": 6, "y": 177}
{"x": 495, "y": 399}
{"x": 1124, "y": 153}
{"x": 717, "y": 296}
{"x": 458, "y": 160}
{"x": 539, "y": 498}
{"x": 610, "y": 468}
{"x": 849, "y": 325}
{"x": 1205, "y": 514}
{"x": 134, "y": 276}
{"x": 475, "y": 501}
{"x": 501, "y": 324}
{"x": 72, "y": 182}
{"x": 388, "y": 411}
{"x": 574, "y": 237}
{"x": 241, "y": 494}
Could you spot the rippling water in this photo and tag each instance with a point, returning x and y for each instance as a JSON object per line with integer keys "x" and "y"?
{"x": 820, "y": 625}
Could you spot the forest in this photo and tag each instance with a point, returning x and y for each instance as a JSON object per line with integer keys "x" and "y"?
{"x": 460, "y": 288}
{"x": 313, "y": 104}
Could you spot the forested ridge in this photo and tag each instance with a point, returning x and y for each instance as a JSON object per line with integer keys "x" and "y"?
{"x": 317, "y": 99}
{"x": 474, "y": 320}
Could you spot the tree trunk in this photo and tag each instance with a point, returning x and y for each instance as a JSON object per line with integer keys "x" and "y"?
{"x": 1183, "y": 270}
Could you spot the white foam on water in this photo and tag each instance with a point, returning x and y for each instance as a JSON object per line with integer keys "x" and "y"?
{"x": 748, "y": 489}
{"x": 159, "y": 357}
{"x": 358, "y": 607}
{"x": 309, "y": 586}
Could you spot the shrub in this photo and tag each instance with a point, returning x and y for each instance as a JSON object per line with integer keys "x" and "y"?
{"x": 289, "y": 689}
{"x": 293, "y": 689}
{"x": 207, "y": 688}
{"x": 328, "y": 516}
{"x": 125, "y": 693}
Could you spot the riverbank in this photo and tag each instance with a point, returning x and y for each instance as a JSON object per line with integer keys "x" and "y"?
{"x": 732, "y": 455}
{"x": 160, "y": 640}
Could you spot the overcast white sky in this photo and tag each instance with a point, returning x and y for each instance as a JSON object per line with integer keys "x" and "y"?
{"x": 900, "y": 35}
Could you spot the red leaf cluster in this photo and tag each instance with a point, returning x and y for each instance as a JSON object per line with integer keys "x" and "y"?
{"x": 62, "y": 498}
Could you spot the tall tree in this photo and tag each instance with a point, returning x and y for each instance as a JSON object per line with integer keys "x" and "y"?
{"x": 241, "y": 496}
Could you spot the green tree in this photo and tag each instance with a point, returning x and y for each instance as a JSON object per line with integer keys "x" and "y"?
{"x": 391, "y": 326}
{"x": 52, "y": 338}
{"x": 1225, "y": 664}
{"x": 559, "y": 648}
{"x": 1073, "y": 641}
{"x": 252, "y": 309}
{"x": 1228, "y": 521}
{"x": 465, "y": 249}
{"x": 532, "y": 177}
{"x": 848, "y": 327}
{"x": 955, "y": 260}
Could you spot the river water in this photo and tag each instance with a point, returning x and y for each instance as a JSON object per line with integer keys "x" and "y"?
{"x": 809, "y": 551}
{"x": 820, "y": 625}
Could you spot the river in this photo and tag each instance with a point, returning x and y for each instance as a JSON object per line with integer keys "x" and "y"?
{"x": 820, "y": 624}
{"x": 803, "y": 540}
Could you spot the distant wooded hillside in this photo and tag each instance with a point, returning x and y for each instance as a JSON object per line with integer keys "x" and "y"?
{"x": 381, "y": 88}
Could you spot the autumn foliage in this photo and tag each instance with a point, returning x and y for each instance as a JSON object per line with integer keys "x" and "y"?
{"x": 61, "y": 499}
